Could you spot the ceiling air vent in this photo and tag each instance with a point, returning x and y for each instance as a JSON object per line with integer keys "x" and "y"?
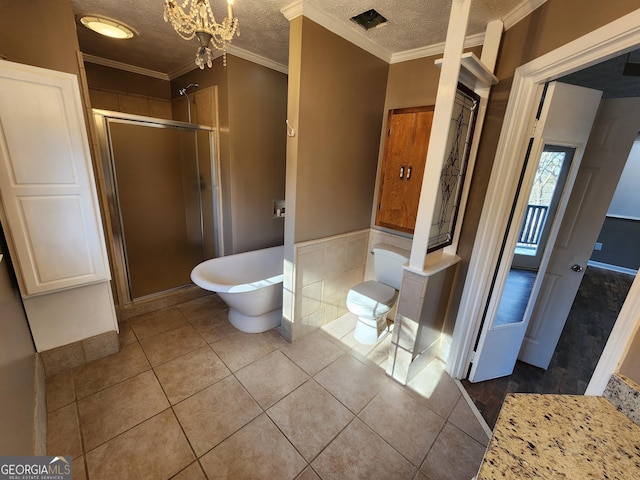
{"x": 369, "y": 19}
{"x": 632, "y": 66}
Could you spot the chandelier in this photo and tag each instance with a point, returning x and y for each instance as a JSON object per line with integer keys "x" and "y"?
{"x": 194, "y": 18}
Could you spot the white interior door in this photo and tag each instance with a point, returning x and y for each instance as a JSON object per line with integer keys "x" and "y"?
{"x": 613, "y": 134}
{"x": 537, "y": 225}
{"x": 565, "y": 119}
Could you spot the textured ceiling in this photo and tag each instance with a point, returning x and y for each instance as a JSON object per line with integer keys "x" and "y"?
{"x": 414, "y": 23}
{"x": 607, "y": 76}
{"x": 264, "y": 30}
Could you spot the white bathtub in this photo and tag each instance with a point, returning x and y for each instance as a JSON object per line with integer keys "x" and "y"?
{"x": 250, "y": 283}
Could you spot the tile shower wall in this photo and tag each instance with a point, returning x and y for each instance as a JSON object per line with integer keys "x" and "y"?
{"x": 327, "y": 268}
{"x": 130, "y": 103}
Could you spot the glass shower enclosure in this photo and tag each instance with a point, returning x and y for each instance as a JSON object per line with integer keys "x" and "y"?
{"x": 161, "y": 178}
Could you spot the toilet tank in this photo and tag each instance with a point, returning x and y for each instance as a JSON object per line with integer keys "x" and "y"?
{"x": 387, "y": 264}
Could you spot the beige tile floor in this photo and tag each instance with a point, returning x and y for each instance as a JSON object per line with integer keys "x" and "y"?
{"x": 189, "y": 397}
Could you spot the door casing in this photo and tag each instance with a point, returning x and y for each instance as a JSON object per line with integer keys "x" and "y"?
{"x": 610, "y": 142}
{"x": 619, "y": 36}
{"x": 566, "y": 119}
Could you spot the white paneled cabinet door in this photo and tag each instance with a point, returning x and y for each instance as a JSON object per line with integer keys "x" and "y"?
{"x": 46, "y": 181}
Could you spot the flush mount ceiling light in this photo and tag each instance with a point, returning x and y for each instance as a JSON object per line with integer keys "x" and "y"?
{"x": 194, "y": 18}
{"x": 369, "y": 19}
{"x": 107, "y": 26}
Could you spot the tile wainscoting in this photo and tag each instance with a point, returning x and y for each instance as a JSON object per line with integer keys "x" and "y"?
{"x": 325, "y": 271}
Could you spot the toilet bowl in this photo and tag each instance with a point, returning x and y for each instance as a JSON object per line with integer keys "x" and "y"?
{"x": 372, "y": 300}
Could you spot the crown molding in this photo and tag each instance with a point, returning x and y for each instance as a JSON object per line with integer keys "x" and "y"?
{"x": 432, "y": 50}
{"x": 236, "y": 52}
{"x": 521, "y": 11}
{"x": 252, "y": 57}
{"x": 292, "y": 10}
{"x": 124, "y": 66}
{"x": 300, "y": 7}
{"x": 187, "y": 67}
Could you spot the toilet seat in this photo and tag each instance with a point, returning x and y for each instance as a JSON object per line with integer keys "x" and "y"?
{"x": 371, "y": 299}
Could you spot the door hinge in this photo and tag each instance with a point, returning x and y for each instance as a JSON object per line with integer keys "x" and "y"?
{"x": 472, "y": 357}
{"x": 535, "y": 127}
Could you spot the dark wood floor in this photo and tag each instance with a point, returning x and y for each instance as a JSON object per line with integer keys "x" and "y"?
{"x": 593, "y": 314}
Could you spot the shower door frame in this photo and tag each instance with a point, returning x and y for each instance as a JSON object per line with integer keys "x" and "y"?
{"x": 120, "y": 270}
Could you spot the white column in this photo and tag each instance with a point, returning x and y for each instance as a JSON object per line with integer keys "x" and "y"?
{"x": 491, "y": 44}
{"x": 447, "y": 86}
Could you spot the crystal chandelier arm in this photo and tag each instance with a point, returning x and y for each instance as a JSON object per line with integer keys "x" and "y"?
{"x": 200, "y": 22}
{"x": 184, "y": 24}
{"x": 223, "y": 34}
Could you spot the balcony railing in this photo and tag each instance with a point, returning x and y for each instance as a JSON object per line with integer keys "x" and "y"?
{"x": 532, "y": 225}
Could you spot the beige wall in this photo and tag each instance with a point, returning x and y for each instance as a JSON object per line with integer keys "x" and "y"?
{"x": 17, "y": 367}
{"x": 631, "y": 364}
{"x": 257, "y": 156}
{"x": 133, "y": 104}
{"x": 550, "y": 26}
{"x": 251, "y": 110}
{"x": 107, "y": 78}
{"x": 206, "y": 79}
{"x": 126, "y": 92}
{"x": 252, "y": 103}
{"x": 40, "y": 33}
{"x": 335, "y": 104}
{"x": 341, "y": 104}
{"x": 413, "y": 83}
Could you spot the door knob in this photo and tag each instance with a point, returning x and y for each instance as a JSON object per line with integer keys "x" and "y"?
{"x": 576, "y": 268}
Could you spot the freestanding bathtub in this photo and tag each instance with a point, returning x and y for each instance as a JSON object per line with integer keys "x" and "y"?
{"x": 250, "y": 283}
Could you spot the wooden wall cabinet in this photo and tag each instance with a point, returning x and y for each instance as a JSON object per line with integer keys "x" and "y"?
{"x": 405, "y": 153}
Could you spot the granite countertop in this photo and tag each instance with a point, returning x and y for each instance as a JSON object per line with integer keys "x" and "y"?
{"x": 561, "y": 437}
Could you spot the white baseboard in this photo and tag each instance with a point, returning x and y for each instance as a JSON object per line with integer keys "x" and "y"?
{"x": 613, "y": 268}
{"x": 474, "y": 409}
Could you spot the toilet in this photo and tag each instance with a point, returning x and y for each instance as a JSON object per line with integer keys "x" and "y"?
{"x": 373, "y": 299}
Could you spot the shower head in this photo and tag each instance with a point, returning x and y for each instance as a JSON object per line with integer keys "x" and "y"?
{"x": 183, "y": 91}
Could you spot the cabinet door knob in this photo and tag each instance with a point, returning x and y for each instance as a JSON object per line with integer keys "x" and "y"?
{"x": 408, "y": 173}
{"x": 402, "y": 171}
